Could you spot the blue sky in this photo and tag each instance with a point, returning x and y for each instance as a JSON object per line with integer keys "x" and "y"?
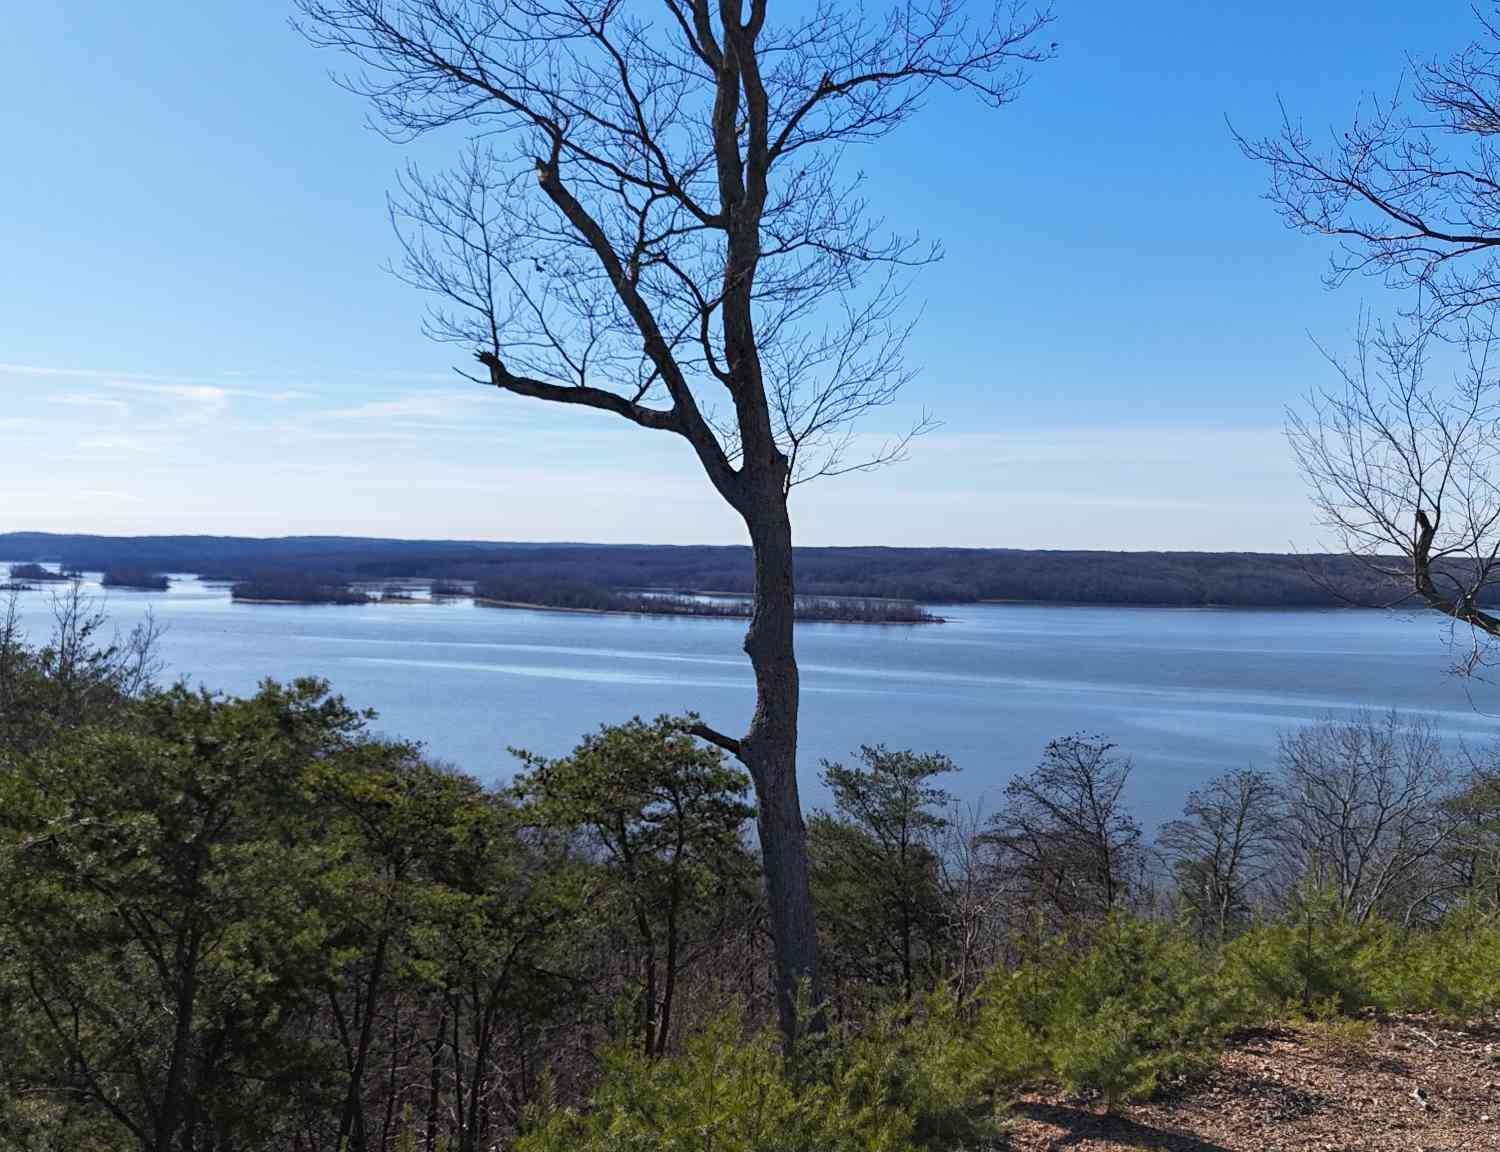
{"x": 196, "y": 333}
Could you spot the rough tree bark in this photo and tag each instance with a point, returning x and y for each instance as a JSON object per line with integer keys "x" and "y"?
{"x": 769, "y": 751}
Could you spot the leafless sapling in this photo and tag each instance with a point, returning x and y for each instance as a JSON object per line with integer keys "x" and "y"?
{"x": 1222, "y": 847}
{"x": 1364, "y": 813}
{"x": 1064, "y": 843}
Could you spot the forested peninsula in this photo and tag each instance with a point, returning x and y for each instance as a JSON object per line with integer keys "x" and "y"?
{"x": 602, "y": 576}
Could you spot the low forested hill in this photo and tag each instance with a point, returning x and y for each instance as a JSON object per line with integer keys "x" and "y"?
{"x": 925, "y": 574}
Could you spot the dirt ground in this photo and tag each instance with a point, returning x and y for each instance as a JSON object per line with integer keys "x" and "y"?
{"x": 1397, "y": 1084}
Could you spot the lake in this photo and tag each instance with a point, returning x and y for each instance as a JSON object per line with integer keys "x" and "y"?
{"x": 1186, "y": 693}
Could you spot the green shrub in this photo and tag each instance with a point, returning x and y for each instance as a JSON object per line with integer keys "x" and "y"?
{"x": 1140, "y": 1003}
{"x": 921, "y": 1062}
{"x": 1017, "y": 1016}
{"x": 725, "y": 1092}
{"x": 1317, "y": 963}
{"x": 1452, "y": 969}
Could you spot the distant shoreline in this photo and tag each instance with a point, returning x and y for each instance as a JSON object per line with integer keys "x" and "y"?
{"x": 587, "y": 575}
{"x": 1016, "y": 602}
{"x": 531, "y": 606}
{"x": 488, "y": 602}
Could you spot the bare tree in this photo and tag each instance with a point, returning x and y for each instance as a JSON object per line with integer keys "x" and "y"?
{"x": 1411, "y": 190}
{"x": 88, "y": 670}
{"x": 1223, "y": 847}
{"x": 1064, "y": 842}
{"x": 972, "y": 923}
{"x": 1404, "y": 472}
{"x": 1471, "y": 859}
{"x": 15, "y": 663}
{"x": 653, "y": 220}
{"x": 1364, "y": 813}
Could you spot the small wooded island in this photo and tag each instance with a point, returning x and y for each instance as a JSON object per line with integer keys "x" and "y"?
{"x": 827, "y": 609}
{"x": 296, "y": 588}
{"x": 578, "y": 596}
{"x": 135, "y": 580}
{"x": 572, "y": 596}
{"x": 35, "y": 573}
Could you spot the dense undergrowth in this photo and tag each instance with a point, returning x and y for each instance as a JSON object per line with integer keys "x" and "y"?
{"x": 248, "y": 924}
{"x": 1140, "y": 1007}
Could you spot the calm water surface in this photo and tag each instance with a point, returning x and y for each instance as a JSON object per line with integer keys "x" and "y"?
{"x": 1185, "y": 692}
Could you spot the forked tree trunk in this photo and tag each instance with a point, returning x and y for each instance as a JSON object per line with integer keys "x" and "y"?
{"x": 709, "y": 117}
{"x": 769, "y": 751}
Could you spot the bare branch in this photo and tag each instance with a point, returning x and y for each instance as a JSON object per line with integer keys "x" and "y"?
{"x": 1411, "y": 189}
{"x": 1404, "y": 472}
{"x": 696, "y": 228}
{"x": 712, "y": 736}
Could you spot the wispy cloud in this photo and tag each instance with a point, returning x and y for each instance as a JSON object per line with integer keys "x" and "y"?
{"x": 201, "y": 388}
{"x": 206, "y": 393}
{"x": 90, "y": 400}
{"x": 11, "y": 369}
{"x": 425, "y": 414}
{"x": 121, "y": 444}
{"x": 1090, "y": 443}
{"x": 432, "y": 405}
{"x": 274, "y": 384}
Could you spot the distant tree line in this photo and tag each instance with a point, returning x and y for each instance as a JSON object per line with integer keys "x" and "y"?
{"x": 928, "y": 575}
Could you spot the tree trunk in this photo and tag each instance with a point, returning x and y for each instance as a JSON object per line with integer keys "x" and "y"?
{"x": 352, "y": 1120}
{"x": 903, "y": 888}
{"x": 769, "y": 751}
{"x": 175, "y": 1090}
{"x": 669, "y": 979}
{"x": 393, "y": 1083}
{"x": 434, "y": 1081}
